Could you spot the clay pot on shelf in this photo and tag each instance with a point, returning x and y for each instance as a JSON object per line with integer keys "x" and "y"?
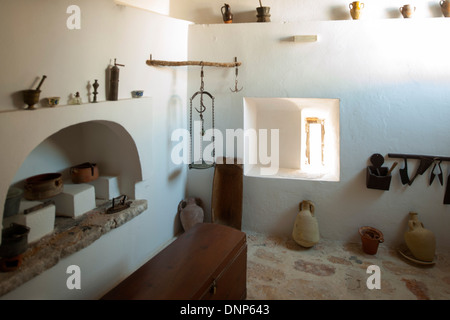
{"x": 43, "y": 186}
{"x": 226, "y": 13}
{"x": 306, "y": 227}
{"x": 445, "y": 7}
{"x": 84, "y": 172}
{"x": 419, "y": 240}
{"x": 407, "y": 10}
{"x": 355, "y": 9}
{"x": 370, "y": 238}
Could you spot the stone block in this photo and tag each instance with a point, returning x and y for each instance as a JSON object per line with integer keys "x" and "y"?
{"x": 106, "y": 187}
{"x": 75, "y": 200}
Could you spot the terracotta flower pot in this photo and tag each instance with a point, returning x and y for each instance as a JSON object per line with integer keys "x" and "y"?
{"x": 370, "y": 238}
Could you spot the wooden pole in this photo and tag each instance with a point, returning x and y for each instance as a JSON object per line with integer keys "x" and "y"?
{"x": 152, "y": 62}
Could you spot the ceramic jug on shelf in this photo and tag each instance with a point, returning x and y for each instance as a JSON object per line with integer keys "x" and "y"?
{"x": 407, "y": 10}
{"x": 226, "y": 13}
{"x": 445, "y": 7}
{"x": 306, "y": 227}
{"x": 420, "y": 241}
{"x": 355, "y": 9}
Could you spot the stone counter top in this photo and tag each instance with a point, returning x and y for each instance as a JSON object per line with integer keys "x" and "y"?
{"x": 69, "y": 236}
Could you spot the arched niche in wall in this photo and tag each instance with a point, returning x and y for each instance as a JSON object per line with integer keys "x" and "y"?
{"x": 106, "y": 143}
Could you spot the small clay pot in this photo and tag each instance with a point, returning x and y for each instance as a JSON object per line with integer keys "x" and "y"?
{"x": 84, "y": 172}
{"x": 43, "y": 186}
{"x": 370, "y": 238}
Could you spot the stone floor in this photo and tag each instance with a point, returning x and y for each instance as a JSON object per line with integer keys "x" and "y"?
{"x": 279, "y": 269}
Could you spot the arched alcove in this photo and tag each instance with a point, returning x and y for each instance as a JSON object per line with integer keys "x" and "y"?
{"x": 105, "y": 143}
{"x": 111, "y": 133}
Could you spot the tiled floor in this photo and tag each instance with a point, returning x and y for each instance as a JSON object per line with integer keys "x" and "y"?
{"x": 279, "y": 269}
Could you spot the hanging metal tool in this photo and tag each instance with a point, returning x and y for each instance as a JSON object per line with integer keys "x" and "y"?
{"x": 404, "y": 173}
{"x": 200, "y": 111}
{"x": 433, "y": 175}
{"x": 424, "y": 164}
{"x": 236, "y": 78}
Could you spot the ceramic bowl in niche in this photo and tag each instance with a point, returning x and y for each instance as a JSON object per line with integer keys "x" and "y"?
{"x": 137, "y": 93}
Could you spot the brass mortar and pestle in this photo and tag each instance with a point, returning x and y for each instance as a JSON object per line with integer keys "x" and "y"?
{"x": 31, "y": 97}
{"x": 263, "y": 13}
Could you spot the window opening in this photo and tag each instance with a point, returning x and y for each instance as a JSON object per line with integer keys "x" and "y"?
{"x": 315, "y": 141}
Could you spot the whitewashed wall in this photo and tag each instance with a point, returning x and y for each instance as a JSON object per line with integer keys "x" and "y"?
{"x": 393, "y": 87}
{"x": 35, "y": 41}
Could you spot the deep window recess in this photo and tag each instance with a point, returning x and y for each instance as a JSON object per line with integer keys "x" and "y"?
{"x": 293, "y": 138}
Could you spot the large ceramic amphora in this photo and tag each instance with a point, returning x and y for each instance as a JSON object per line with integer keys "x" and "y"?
{"x": 420, "y": 241}
{"x": 306, "y": 227}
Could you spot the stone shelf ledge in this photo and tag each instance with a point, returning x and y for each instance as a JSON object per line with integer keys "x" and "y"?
{"x": 69, "y": 236}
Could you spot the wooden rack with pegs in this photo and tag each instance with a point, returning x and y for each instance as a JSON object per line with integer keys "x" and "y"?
{"x": 417, "y": 156}
{"x": 164, "y": 63}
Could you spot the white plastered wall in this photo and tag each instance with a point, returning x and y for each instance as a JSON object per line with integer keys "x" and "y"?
{"x": 35, "y": 41}
{"x": 393, "y": 92}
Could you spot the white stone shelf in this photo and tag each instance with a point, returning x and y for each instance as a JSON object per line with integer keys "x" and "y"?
{"x": 69, "y": 236}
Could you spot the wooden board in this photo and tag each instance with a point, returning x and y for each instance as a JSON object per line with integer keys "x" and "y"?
{"x": 226, "y": 203}
{"x": 207, "y": 262}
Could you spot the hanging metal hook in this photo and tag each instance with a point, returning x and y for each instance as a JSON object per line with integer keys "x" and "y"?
{"x": 201, "y": 92}
{"x": 236, "y": 78}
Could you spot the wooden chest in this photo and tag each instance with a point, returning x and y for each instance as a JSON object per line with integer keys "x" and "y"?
{"x": 209, "y": 261}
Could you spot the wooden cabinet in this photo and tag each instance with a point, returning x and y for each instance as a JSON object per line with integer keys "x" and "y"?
{"x": 207, "y": 262}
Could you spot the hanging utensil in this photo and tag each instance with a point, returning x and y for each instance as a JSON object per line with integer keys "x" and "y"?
{"x": 236, "y": 78}
{"x": 440, "y": 173}
{"x": 200, "y": 111}
{"x": 424, "y": 164}
{"x": 377, "y": 161}
{"x": 447, "y": 191}
{"x": 392, "y": 168}
{"x": 404, "y": 173}
{"x": 433, "y": 175}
